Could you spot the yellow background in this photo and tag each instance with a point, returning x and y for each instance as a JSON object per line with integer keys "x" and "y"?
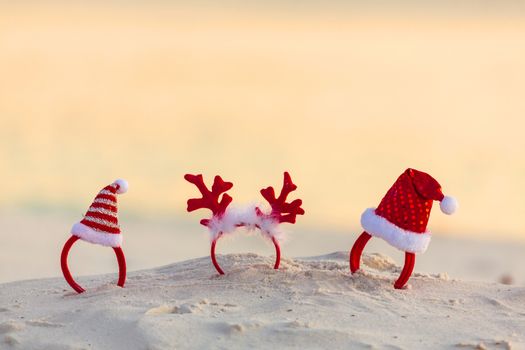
{"x": 343, "y": 97}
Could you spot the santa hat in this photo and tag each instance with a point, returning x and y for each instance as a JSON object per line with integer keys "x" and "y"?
{"x": 100, "y": 224}
{"x": 402, "y": 216}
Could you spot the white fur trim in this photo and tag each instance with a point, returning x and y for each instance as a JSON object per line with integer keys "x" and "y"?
{"x": 246, "y": 216}
{"x": 448, "y": 205}
{"x": 123, "y": 186}
{"x": 404, "y": 240}
{"x": 88, "y": 234}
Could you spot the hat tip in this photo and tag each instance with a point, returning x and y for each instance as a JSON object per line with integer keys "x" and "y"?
{"x": 122, "y": 186}
{"x": 449, "y": 205}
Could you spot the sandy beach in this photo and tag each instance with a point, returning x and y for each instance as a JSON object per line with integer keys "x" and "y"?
{"x": 309, "y": 303}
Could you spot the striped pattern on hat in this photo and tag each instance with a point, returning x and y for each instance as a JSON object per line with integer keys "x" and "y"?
{"x": 102, "y": 214}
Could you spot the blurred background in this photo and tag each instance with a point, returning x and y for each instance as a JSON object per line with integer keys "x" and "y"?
{"x": 343, "y": 95}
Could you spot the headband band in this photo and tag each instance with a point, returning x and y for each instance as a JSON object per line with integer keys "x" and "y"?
{"x": 218, "y": 267}
{"x": 67, "y": 275}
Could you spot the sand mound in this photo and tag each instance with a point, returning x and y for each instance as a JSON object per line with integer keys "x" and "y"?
{"x": 308, "y": 303}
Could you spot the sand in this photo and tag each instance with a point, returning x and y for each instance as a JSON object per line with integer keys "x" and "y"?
{"x": 308, "y": 303}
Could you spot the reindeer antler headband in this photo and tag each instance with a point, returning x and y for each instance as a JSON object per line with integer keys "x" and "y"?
{"x": 225, "y": 220}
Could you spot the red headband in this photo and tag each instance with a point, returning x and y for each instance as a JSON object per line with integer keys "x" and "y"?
{"x": 67, "y": 275}
{"x": 99, "y": 226}
{"x": 225, "y": 220}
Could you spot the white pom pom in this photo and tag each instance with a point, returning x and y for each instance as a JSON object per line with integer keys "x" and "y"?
{"x": 449, "y": 205}
{"x": 122, "y": 186}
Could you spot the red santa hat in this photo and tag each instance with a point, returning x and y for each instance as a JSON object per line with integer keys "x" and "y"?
{"x": 100, "y": 224}
{"x": 402, "y": 216}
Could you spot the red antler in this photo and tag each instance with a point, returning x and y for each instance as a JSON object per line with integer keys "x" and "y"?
{"x": 210, "y": 199}
{"x": 279, "y": 205}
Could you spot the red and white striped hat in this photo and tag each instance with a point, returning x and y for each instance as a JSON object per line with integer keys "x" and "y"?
{"x": 100, "y": 224}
